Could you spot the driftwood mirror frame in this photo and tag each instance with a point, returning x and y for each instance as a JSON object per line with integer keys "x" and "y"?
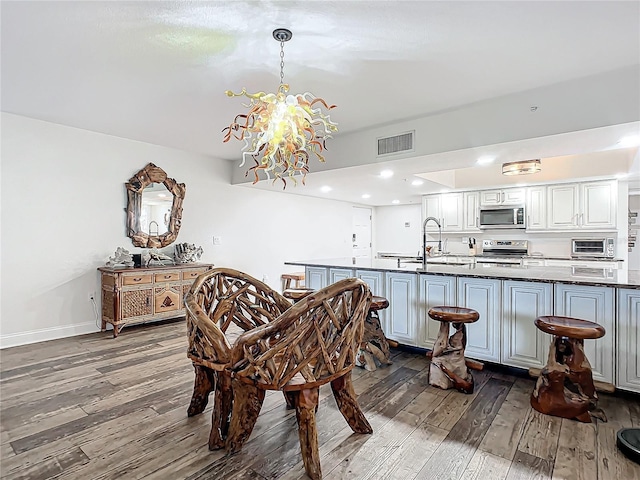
{"x": 136, "y": 184}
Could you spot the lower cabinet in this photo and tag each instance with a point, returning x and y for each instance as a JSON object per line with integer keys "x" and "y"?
{"x": 315, "y": 277}
{"x": 483, "y": 336}
{"x": 433, "y": 290}
{"x": 337, "y": 274}
{"x": 523, "y": 345}
{"x": 400, "y": 322}
{"x": 597, "y": 305}
{"x": 375, "y": 280}
{"x": 628, "y": 371}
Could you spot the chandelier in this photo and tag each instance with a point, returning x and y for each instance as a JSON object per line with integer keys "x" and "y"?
{"x": 281, "y": 130}
{"x": 523, "y": 167}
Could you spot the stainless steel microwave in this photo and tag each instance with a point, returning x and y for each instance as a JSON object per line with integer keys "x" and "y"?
{"x": 502, "y": 217}
{"x": 593, "y": 247}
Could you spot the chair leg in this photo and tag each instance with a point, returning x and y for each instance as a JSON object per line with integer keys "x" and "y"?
{"x": 203, "y": 385}
{"x": 345, "y": 397}
{"x": 306, "y": 402}
{"x": 221, "y": 414}
{"x": 247, "y": 401}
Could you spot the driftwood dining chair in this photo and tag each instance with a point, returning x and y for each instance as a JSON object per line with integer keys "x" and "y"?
{"x": 221, "y": 304}
{"x": 313, "y": 343}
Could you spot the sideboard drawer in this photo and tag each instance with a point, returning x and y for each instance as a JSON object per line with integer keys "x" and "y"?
{"x": 136, "y": 279}
{"x": 167, "y": 277}
{"x": 192, "y": 274}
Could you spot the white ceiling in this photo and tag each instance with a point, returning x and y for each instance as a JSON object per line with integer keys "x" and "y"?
{"x": 157, "y": 71}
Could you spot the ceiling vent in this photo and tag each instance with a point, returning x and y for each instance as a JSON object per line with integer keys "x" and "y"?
{"x": 396, "y": 144}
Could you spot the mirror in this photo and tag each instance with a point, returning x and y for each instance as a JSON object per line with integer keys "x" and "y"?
{"x": 154, "y": 208}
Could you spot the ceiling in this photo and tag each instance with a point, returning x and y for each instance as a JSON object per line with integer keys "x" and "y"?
{"x": 157, "y": 71}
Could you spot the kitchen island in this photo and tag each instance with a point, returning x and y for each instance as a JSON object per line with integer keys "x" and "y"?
{"x": 508, "y": 298}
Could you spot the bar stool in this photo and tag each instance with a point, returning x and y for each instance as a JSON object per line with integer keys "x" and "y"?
{"x": 374, "y": 346}
{"x": 449, "y": 368}
{"x": 288, "y": 277}
{"x": 565, "y": 387}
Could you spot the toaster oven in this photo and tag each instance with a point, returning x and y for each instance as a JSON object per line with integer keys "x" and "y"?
{"x": 593, "y": 247}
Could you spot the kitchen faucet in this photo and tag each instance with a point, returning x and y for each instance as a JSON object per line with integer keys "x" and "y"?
{"x": 424, "y": 239}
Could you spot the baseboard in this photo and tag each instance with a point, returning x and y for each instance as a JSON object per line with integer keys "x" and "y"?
{"x": 53, "y": 333}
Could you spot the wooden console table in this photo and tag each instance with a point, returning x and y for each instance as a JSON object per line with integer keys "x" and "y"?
{"x": 138, "y": 295}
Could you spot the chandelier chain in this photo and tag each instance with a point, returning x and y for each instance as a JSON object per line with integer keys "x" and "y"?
{"x": 281, "y": 62}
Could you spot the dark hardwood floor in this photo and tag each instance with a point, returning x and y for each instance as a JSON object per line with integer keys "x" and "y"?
{"x": 94, "y": 407}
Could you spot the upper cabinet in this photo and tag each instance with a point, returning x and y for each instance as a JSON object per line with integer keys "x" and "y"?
{"x": 447, "y": 208}
{"x": 471, "y": 211}
{"x": 507, "y": 196}
{"x": 577, "y": 206}
{"x": 536, "y": 208}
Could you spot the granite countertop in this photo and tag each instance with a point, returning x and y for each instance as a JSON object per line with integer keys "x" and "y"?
{"x": 609, "y": 277}
{"x": 534, "y": 256}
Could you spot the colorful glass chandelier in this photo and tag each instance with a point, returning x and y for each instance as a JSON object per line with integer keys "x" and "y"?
{"x": 281, "y": 130}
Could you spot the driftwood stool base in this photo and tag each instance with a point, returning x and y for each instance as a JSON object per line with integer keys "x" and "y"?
{"x": 374, "y": 348}
{"x": 448, "y": 367}
{"x": 565, "y": 386}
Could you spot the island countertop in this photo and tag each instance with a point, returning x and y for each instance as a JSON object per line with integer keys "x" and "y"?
{"x": 609, "y": 277}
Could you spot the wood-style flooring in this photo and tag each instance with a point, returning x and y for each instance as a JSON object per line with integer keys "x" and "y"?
{"x": 94, "y": 407}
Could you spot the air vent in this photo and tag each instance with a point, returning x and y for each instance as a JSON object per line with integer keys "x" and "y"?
{"x": 395, "y": 144}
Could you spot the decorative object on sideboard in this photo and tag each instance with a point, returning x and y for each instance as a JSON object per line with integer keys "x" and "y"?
{"x": 187, "y": 253}
{"x": 524, "y": 167}
{"x": 280, "y": 131}
{"x": 121, "y": 258}
{"x": 149, "y": 204}
{"x": 155, "y": 257}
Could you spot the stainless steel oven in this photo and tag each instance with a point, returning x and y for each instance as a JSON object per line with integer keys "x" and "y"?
{"x": 502, "y": 217}
{"x": 593, "y": 247}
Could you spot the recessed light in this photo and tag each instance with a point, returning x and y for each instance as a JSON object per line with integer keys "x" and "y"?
{"x": 325, "y": 189}
{"x": 417, "y": 182}
{"x": 366, "y": 195}
{"x": 386, "y": 173}
{"x": 395, "y": 202}
{"x": 485, "y": 160}
{"x": 629, "y": 141}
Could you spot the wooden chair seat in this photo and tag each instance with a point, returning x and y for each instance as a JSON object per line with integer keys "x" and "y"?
{"x": 453, "y": 314}
{"x": 569, "y": 327}
{"x": 378, "y": 303}
{"x": 297, "y": 294}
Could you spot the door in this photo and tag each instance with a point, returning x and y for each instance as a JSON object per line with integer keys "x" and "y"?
{"x": 434, "y": 290}
{"x": 598, "y": 205}
{"x": 562, "y": 206}
{"x": 361, "y": 236}
{"x": 628, "y": 340}
{"x": 401, "y": 314}
{"x": 483, "y": 336}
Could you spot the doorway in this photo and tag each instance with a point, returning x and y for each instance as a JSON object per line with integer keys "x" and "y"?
{"x": 361, "y": 236}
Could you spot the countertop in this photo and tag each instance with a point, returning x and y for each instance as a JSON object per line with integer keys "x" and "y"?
{"x": 609, "y": 277}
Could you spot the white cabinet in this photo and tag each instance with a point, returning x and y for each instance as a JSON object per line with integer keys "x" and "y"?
{"x": 628, "y": 341}
{"x": 448, "y": 208}
{"x": 315, "y": 277}
{"x": 471, "y": 211}
{"x": 578, "y": 206}
{"x": 597, "y": 305}
{"x": 536, "y": 208}
{"x": 508, "y": 196}
{"x": 336, "y": 274}
{"x": 400, "y": 323}
{"x": 483, "y": 336}
{"x": 434, "y": 290}
{"x": 523, "y": 344}
{"x": 374, "y": 279}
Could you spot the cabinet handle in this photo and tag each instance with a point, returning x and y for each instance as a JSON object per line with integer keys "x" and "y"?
{"x": 137, "y": 279}
{"x": 167, "y": 276}
{"x": 501, "y": 197}
{"x": 477, "y": 222}
{"x": 581, "y": 219}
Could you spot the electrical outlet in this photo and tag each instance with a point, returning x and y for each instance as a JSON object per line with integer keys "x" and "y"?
{"x": 465, "y": 240}
{"x": 217, "y": 240}
{"x": 265, "y": 278}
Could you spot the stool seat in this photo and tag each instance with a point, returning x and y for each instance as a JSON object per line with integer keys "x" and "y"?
{"x": 296, "y": 294}
{"x": 287, "y": 278}
{"x": 569, "y": 327}
{"x": 444, "y": 313}
{"x": 378, "y": 303}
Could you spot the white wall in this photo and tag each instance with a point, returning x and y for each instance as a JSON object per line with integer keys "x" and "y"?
{"x": 391, "y": 234}
{"x": 63, "y": 201}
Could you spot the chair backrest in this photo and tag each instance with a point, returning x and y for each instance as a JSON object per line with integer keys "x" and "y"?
{"x": 220, "y": 301}
{"x": 314, "y": 341}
